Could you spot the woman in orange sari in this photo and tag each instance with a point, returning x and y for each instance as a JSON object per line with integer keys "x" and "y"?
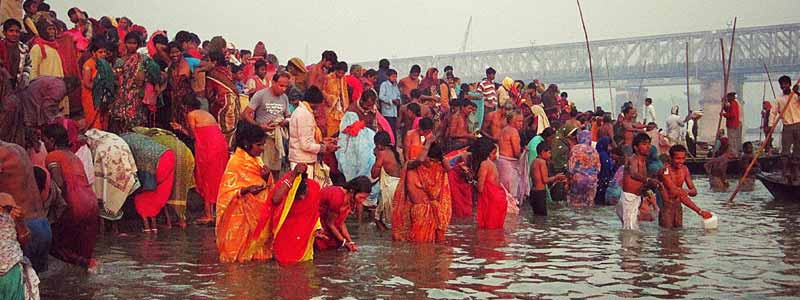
{"x": 242, "y": 201}
{"x": 90, "y": 112}
{"x": 295, "y": 221}
{"x": 492, "y": 202}
{"x": 422, "y": 203}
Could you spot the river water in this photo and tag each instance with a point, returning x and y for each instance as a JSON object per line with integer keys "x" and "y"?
{"x": 571, "y": 254}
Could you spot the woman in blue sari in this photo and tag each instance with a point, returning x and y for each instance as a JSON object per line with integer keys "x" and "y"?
{"x": 357, "y": 141}
{"x": 607, "y": 169}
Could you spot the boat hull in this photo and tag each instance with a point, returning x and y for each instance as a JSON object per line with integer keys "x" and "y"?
{"x": 736, "y": 167}
{"x": 778, "y": 187}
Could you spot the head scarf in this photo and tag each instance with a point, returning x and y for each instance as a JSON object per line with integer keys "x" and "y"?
{"x": 583, "y": 158}
{"x": 260, "y": 50}
{"x": 767, "y": 105}
{"x": 674, "y": 110}
{"x": 429, "y": 80}
{"x": 151, "y": 46}
{"x": 542, "y": 121}
{"x": 507, "y": 82}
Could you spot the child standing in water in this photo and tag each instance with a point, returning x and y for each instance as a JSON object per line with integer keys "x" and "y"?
{"x": 674, "y": 177}
{"x": 541, "y": 179}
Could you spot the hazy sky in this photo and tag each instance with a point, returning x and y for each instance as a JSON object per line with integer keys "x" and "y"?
{"x": 366, "y": 30}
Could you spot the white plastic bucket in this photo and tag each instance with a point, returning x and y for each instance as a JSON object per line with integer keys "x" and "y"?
{"x": 711, "y": 223}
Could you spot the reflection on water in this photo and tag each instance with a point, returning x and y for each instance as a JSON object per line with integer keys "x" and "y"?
{"x": 570, "y": 254}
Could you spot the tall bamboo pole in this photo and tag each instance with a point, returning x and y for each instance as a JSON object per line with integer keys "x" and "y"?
{"x": 763, "y": 146}
{"x": 589, "y": 50}
{"x": 688, "y": 100}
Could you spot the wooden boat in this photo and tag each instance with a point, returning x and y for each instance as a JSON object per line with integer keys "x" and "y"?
{"x": 777, "y": 186}
{"x": 768, "y": 163}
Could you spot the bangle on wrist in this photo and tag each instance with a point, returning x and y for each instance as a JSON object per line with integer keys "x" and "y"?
{"x": 344, "y": 243}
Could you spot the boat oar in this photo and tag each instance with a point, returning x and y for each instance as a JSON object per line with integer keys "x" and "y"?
{"x": 763, "y": 145}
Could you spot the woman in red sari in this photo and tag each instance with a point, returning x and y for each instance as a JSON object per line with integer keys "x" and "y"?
{"x": 296, "y": 218}
{"x": 75, "y": 232}
{"x": 211, "y": 153}
{"x": 336, "y": 204}
{"x": 492, "y": 203}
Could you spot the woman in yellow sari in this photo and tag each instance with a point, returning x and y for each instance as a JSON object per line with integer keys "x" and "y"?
{"x": 242, "y": 201}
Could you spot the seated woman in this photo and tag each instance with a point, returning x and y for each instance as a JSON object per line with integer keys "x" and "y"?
{"x": 75, "y": 232}
{"x": 243, "y": 210}
{"x": 296, "y": 216}
{"x": 156, "y": 169}
{"x": 18, "y": 280}
{"x": 335, "y": 205}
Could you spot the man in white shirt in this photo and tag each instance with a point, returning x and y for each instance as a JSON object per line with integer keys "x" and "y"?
{"x": 305, "y": 138}
{"x": 649, "y": 111}
{"x": 790, "y": 135}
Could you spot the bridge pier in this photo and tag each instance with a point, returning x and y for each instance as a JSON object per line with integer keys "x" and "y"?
{"x": 711, "y": 90}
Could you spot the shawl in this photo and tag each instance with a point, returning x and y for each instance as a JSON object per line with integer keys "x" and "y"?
{"x": 104, "y": 88}
{"x": 429, "y": 80}
{"x": 151, "y": 46}
{"x": 146, "y": 153}
{"x": 542, "y": 121}
{"x": 260, "y": 50}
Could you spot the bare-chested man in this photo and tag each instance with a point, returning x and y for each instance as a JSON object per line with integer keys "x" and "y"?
{"x": 415, "y": 139}
{"x": 674, "y": 176}
{"x": 457, "y": 131}
{"x": 510, "y": 150}
{"x": 541, "y": 178}
{"x": 631, "y": 128}
{"x": 495, "y": 122}
{"x": 634, "y": 182}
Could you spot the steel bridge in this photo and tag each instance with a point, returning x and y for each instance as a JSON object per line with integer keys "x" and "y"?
{"x": 656, "y": 60}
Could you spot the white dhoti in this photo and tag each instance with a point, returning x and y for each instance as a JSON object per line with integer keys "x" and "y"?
{"x": 510, "y": 175}
{"x": 388, "y": 187}
{"x": 628, "y": 211}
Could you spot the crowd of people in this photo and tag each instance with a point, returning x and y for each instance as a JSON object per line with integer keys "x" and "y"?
{"x": 101, "y": 114}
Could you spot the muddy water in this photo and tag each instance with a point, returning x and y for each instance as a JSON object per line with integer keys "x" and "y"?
{"x": 571, "y": 254}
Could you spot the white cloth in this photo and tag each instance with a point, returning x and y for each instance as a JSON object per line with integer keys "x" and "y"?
{"x": 86, "y": 157}
{"x": 388, "y": 187}
{"x": 302, "y": 146}
{"x": 676, "y": 129}
{"x": 649, "y": 114}
{"x": 628, "y": 210}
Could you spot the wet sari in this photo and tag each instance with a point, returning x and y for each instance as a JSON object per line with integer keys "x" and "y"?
{"x": 426, "y": 221}
{"x": 238, "y": 215}
{"x": 295, "y": 221}
{"x": 184, "y": 167}
{"x": 211, "y": 157}
{"x": 156, "y": 167}
{"x": 492, "y": 206}
{"x": 75, "y": 232}
{"x": 583, "y": 166}
{"x": 606, "y": 170}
